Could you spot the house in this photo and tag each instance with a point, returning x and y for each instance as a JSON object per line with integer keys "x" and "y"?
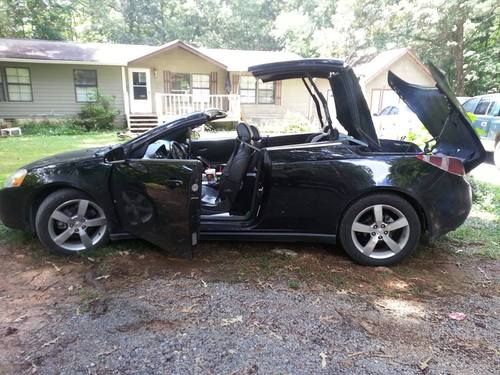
{"x": 372, "y": 72}
{"x": 150, "y": 84}
{"x": 52, "y": 79}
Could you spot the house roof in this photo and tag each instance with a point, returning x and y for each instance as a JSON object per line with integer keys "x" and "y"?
{"x": 368, "y": 70}
{"x": 121, "y": 54}
{"x": 71, "y": 52}
{"x": 238, "y": 60}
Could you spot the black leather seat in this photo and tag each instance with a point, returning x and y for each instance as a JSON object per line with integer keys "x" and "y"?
{"x": 220, "y": 200}
{"x": 256, "y": 138}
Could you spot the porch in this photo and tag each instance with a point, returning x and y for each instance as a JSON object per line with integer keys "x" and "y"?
{"x": 169, "y": 106}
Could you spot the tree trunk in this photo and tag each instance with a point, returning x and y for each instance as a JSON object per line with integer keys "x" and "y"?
{"x": 459, "y": 58}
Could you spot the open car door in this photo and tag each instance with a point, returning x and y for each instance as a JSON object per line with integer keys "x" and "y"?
{"x": 159, "y": 201}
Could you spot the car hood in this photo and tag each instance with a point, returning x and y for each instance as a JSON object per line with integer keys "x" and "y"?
{"x": 69, "y": 157}
{"x": 440, "y": 112}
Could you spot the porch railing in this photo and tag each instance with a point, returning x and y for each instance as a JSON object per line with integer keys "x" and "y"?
{"x": 169, "y": 106}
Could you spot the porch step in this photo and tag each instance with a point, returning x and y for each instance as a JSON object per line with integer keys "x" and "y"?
{"x": 139, "y": 123}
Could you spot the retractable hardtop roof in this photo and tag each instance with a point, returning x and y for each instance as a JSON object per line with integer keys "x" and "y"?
{"x": 320, "y": 68}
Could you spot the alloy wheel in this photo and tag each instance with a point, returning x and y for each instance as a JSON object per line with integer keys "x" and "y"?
{"x": 77, "y": 225}
{"x": 380, "y": 231}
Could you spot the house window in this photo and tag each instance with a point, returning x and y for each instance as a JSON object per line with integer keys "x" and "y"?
{"x": 2, "y": 89}
{"x": 140, "y": 85}
{"x": 85, "y": 85}
{"x": 181, "y": 83}
{"x": 201, "y": 85}
{"x": 18, "y": 84}
{"x": 265, "y": 92}
{"x": 248, "y": 89}
{"x": 253, "y": 91}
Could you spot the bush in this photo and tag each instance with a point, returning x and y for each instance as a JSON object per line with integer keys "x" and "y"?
{"x": 98, "y": 115}
{"x": 50, "y": 127}
{"x": 486, "y": 196}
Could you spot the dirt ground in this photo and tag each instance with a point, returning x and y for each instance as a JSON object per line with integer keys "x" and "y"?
{"x": 242, "y": 308}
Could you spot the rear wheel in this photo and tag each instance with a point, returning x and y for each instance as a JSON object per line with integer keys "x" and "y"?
{"x": 68, "y": 222}
{"x": 380, "y": 230}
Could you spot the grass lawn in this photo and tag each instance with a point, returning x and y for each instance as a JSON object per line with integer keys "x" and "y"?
{"x": 18, "y": 151}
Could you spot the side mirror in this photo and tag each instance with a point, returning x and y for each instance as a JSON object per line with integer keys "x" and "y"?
{"x": 374, "y": 114}
{"x": 115, "y": 155}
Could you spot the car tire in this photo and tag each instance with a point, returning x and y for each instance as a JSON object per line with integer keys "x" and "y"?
{"x": 68, "y": 222}
{"x": 496, "y": 155}
{"x": 380, "y": 230}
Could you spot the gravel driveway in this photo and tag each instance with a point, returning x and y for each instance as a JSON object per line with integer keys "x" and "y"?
{"x": 246, "y": 309}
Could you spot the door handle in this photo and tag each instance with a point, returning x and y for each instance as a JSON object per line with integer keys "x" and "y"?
{"x": 174, "y": 183}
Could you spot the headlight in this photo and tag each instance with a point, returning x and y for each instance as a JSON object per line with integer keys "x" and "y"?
{"x": 16, "y": 179}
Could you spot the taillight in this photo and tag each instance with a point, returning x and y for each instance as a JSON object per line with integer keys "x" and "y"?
{"x": 446, "y": 163}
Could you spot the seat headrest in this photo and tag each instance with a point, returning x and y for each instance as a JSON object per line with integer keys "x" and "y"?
{"x": 255, "y": 133}
{"x": 244, "y": 132}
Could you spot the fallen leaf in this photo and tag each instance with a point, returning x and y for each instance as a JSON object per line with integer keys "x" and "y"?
{"x": 425, "y": 363}
{"x": 229, "y": 321}
{"x": 52, "y": 342}
{"x": 323, "y": 359}
{"x": 457, "y": 316}
{"x": 103, "y": 277}
{"x": 367, "y": 327}
{"x": 189, "y": 309}
{"x": 58, "y": 269}
{"x": 383, "y": 269}
{"x": 21, "y": 318}
{"x": 286, "y": 252}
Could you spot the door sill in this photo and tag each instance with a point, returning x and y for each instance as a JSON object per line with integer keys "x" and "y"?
{"x": 270, "y": 236}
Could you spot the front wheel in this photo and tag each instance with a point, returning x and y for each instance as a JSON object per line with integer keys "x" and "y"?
{"x": 380, "y": 230}
{"x": 68, "y": 222}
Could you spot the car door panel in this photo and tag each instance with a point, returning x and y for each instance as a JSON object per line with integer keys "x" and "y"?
{"x": 159, "y": 201}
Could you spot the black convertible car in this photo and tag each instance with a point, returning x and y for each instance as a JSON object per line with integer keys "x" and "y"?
{"x": 378, "y": 197}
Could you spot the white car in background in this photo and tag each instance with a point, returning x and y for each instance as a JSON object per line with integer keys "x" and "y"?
{"x": 395, "y": 122}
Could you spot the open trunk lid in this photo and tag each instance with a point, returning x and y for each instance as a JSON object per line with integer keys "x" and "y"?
{"x": 440, "y": 112}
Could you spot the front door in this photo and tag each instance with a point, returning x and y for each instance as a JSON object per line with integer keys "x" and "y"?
{"x": 159, "y": 201}
{"x": 140, "y": 90}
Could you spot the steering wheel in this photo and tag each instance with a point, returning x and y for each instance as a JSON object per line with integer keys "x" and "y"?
{"x": 177, "y": 151}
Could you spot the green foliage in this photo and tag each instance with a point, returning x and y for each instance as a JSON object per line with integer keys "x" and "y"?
{"x": 97, "y": 115}
{"x": 48, "y": 128}
{"x": 486, "y": 196}
{"x": 460, "y": 36}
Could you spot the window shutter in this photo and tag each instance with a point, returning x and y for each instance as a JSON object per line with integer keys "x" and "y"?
{"x": 277, "y": 92}
{"x": 213, "y": 83}
{"x": 235, "y": 84}
{"x": 167, "y": 81}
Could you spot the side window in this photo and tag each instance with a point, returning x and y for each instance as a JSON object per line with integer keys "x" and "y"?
{"x": 483, "y": 107}
{"x": 385, "y": 111}
{"x": 494, "y": 109}
{"x": 470, "y": 105}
